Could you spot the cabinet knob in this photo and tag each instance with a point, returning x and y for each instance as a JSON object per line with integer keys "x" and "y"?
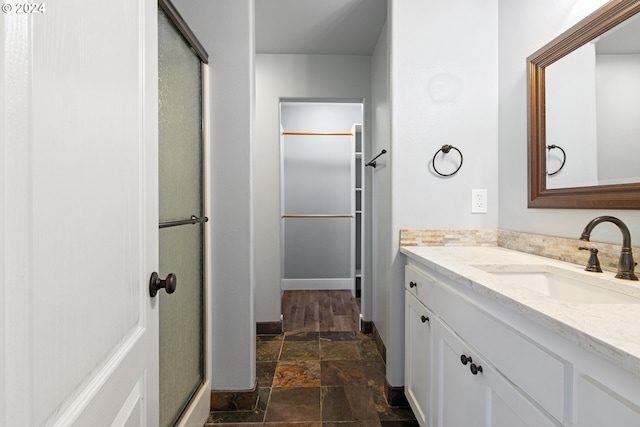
{"x": 475, "y": 368}
{"x": 464, "y": 359}
{"x": 424, "y": 319}
{"x": 412, "y": 284}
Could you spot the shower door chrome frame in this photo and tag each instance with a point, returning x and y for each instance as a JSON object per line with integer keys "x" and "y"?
{"x": 199, "y": 407}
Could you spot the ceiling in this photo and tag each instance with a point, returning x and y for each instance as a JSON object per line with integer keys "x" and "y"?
{"x": 319, "y": 27}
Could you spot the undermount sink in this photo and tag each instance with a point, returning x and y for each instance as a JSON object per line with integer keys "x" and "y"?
{"x": 559, "y": 284}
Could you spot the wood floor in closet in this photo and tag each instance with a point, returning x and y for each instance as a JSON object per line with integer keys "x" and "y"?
{"x": 320, "y": 311}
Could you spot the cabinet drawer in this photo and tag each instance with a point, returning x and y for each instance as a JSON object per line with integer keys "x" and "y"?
{"x": 542, "y": 375}
{"x": 418, "y": 284}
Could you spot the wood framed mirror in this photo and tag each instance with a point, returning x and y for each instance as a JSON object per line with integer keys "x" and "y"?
{"x": 579, "y": 126}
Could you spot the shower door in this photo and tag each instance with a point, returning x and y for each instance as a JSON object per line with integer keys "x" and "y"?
{"x": 182, "y": 221}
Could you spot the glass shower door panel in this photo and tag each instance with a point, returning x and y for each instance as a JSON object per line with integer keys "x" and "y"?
{"x": 181, "y": 246}
{"x": 181, "y": 320}
{"x": 180, "y": 122}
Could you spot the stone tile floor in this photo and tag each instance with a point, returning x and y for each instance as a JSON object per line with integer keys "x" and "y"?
{"x": 318, "y": 379}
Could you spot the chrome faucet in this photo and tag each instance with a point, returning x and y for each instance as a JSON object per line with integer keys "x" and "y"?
{"x": 626, "y": 263}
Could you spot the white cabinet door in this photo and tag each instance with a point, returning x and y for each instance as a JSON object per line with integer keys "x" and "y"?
{"x": 470, "y": 392}
{"x": 458, "y": 394}
{"x": 505, "y": 406}
{"x": 598, "y": 405}
{"x": 417, "y": 366}
{"x": 78, "y": 214}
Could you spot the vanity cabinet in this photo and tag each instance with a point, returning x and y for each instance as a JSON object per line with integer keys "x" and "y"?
{"x": 478, "y": 361}
{"x": 447, "y": 381}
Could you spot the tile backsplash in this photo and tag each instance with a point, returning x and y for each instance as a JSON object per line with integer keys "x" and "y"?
{"x": 448, "y": 237}
{"x": 560, "y": 248}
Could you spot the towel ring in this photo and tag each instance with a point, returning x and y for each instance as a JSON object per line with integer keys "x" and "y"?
{"x": 445, "y": 149}
{"x": 564, "y": 158}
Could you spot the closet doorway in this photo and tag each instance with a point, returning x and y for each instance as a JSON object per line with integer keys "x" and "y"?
{"x": 321, "y": 195}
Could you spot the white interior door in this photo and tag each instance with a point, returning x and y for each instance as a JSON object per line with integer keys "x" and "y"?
{"x": 79, "y": 215}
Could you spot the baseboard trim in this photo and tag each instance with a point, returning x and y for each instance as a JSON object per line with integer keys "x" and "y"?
{"x": 379, "y": 343}
{"x": 346, "y": 284}
{"x": 268, "y": 328}
{"x": 366, "y": 326}
{"x": 234, "y": 400}
{"x": 395, "y": 395}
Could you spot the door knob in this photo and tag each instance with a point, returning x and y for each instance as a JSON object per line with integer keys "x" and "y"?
{"x": 156, "y": 283}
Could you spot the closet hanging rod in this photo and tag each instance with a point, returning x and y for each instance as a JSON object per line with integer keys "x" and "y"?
{"x": 319, "y": 133}
{"x": 317, "y": 216}
{"x": 372, "y": 162}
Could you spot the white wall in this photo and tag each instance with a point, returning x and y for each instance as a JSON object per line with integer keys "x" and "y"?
{"x": 320, "y": 116}
{"x": 226, "y": 29}
{"x": 524, "y": 27}
{"x": 444, "y": 83}
{"x": 381, "y": 185}
{"x": 289, "y": 76}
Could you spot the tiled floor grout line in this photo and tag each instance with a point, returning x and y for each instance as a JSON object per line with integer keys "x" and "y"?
{"x": 264, "y": 416}
{"x": 320, "y": 388}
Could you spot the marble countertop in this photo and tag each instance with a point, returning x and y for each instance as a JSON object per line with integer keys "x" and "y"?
{"x": 611, "y": 330}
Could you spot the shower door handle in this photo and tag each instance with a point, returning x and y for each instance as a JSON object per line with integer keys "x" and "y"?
{"x": 156, "y": 283}
{"x": 193, "y": 220}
